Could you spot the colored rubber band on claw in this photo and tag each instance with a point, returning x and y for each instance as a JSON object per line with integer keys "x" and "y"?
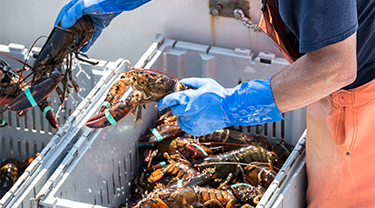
{"x": 30, "y": 97}
{"x": 3, "y": 123}
{"x": 156, "y": 134}
{"x": 163, "y": 164}
{"x": 146, "y": 144}
{"x": 46, "y": 110}
{"x": 200, "y": 149}
{"x": 179, "y": 183}
{"x": 286, "y": 149}
{"x": 109, "y": 117}
{"x": 106, "y": 104}
{"x": 241, "y": 184}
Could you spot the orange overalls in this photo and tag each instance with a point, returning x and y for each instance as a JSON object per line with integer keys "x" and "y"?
{"x": 340, "y": 143}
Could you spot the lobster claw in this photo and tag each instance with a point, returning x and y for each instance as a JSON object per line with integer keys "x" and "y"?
{"x": 46, "y": 107}
{"x": 38, "y": 92}
{"x": 112, "y": 116}
{"x": 117, "y": 112}
{"x": 160, "y": 133}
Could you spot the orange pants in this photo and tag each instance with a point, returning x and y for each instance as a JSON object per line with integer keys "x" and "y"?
{"x": 340, "y": 149}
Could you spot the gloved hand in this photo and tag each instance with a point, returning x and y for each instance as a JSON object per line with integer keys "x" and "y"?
{"x": 210, "y": 106}
{"x": 101, "y": 12}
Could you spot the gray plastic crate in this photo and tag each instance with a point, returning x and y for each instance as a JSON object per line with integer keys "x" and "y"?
{"x": 98, "y": 170}
{"x": 26, "y": 136}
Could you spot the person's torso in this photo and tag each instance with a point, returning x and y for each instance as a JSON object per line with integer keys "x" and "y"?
{"x": 311, "y": 25}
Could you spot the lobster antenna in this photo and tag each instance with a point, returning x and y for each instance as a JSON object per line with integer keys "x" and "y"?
{"x": 15, "y": 59}
{"x": 32, "y": 46}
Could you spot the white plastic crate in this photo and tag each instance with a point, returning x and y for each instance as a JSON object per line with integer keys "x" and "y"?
{"x": 98, "y": 170}
{"x": 26, "y": 136}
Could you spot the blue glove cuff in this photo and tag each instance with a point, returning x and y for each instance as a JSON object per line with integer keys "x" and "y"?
{"x": 121, "y": 5}
{"x": 251, "y": 103}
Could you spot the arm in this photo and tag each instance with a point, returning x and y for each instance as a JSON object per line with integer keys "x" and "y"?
{"x": 315, "y": 75}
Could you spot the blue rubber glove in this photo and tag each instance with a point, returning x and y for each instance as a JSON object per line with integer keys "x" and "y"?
{"x": 101, "y": 12}
{"x": 210, "y": 106}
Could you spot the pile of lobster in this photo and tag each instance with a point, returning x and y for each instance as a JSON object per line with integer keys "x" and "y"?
{"x": 19, "y": 93}
{"x": 11, "y": 170}
{"x": 227, "y": 168}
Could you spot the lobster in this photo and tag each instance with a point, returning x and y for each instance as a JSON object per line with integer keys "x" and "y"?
{"x": 241, "y": 156}
{"x": 228, "y": 139}
{"x": 47, "y": 68}
{"x": 187, "y": 197}
{"x": 11, "y": 85}
{"x": 197, "y": 179}
{"x": 11, "y": 170}
{"x": 184, "y": 147}
{"x": 261, "y": 175}
{"x": 180, "y": 169}
{"x": 247, "y": 194}
{"x": 149, "y": 85}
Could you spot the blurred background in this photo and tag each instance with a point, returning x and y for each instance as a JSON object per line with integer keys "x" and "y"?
{"x": 131, "y": 33}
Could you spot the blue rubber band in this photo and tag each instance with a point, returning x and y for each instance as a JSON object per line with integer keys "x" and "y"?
{"x": 179, "y": 183}
{"x": 156, "y": 134}
{"x": 106, "y": 104}
{"x": 241, "y": 184}
{"x": 30, "y": 97}
{"x": 146, "y": 144}
{"x": 109, "y": 117}
{"x": 2, "y": 122}
{"x": 284, "y": 148}
{"x": 46, "y": 110}
{"x": 200, "y": 148}
{"x": 163, "y": 164}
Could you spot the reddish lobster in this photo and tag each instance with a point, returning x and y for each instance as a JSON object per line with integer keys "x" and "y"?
{"x": 148, "y": 86}
{"x": 48, "y": 67}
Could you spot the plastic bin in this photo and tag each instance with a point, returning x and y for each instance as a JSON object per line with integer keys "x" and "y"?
{"x": 98, "y": 170}
{"x": 26, "y": 136}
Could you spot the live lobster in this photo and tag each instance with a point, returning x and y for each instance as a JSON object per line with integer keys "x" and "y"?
{"x": 149, "y": 85}
{"x": 48, "y": 67}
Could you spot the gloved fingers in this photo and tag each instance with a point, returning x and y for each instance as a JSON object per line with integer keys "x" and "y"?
{"x": 172, "y": 99}
{"x": 197, "y": 82}
{"x": 64, "y": 10}
{"x": 71, "y": 16}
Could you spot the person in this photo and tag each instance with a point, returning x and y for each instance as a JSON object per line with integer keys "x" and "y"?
{"x": 330, "y": 45}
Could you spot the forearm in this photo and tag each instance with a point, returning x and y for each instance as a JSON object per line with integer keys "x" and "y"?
{"x": 315, "y": 75}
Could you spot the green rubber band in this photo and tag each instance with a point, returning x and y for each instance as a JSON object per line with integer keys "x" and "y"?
{"x": 109, "y": 117}
{"x": 146, "y": 144}
{"x": 179, "y": 183}
{"x": 106, "y": 104}
{"x": 201, "y": 149}
{"x": 30, "y": 97}
{"x": 156, "y": 134}
{"x": 46, "y": 110}
{"x": 241, "y": 184}
{"x": 2, "y": 122}
{"x": 163, "y": 164}
{"x": 284, "y": 148}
